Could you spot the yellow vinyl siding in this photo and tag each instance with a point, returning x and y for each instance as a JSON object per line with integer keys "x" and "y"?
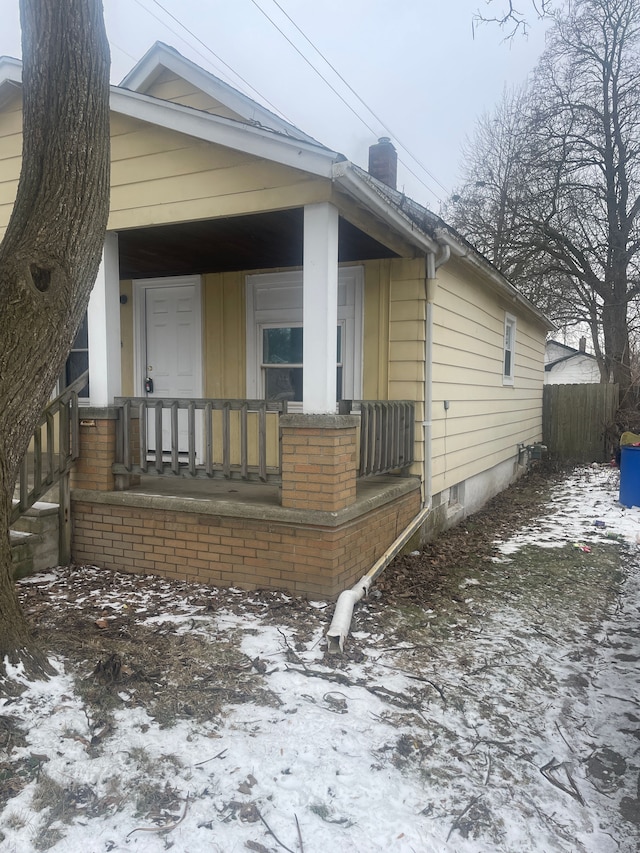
{"x": 224, "y": 338}
{"x": 10, "y": 157}
{"x": 375, "y": 358}
{"x": 169, "y": 87}
{"x": 407, "y": 312}
{"x": 162, "y": 176}
{"x": 486, "y": 419}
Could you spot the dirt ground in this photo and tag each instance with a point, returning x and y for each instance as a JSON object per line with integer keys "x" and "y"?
{"x": 504, "y": 659}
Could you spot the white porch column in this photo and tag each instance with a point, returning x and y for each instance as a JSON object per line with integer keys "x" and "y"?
{"x": 103, "y": 318}
{"x": 320, "y": 308}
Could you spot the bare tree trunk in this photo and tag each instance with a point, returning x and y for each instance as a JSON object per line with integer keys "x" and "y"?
{"x": 51, "y": 250}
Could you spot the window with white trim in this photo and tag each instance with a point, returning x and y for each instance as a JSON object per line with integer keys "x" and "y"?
{"x": 508, "y": 362}
{"x": 275, "y": 336}
{"x": 77, "y": 362}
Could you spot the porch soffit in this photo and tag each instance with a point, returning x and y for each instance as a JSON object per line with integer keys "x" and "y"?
{"x": 252, "y": 242}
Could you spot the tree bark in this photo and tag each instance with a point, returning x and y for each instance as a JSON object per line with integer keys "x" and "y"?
{"x": 51, "y": 250}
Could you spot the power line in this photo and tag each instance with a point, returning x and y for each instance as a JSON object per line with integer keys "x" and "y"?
{"x": 313, "y": 67}
{"x": 353, "y": 92}
{"x": 207, "y": 48}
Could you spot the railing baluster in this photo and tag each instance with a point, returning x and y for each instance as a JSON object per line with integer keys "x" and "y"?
{"x": 226, "y": 440}
{"x": 262, "y": 438}
{"x": 192, "y": 437}
{"x": 50, "y": 433}
{"x": 158, "y": 436}
{"x": 208, "y": 429}
{"x": 143, "y": 411}
{"x": 37, "y": 463}
{"x": 396, "y": 452}
{"x": 24, "y": 485}
{"x": 244, "y": 443}
{"x": 175, "y": 445}
{"x": 75, "y": 427}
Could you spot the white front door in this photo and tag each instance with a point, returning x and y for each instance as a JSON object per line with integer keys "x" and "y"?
{"x": 169, "y": 351}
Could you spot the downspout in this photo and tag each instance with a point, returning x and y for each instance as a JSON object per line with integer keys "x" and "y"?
{"x": 347, "y": 600}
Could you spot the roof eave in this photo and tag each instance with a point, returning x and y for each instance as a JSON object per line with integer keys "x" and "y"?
{"x": 467, "y": 254}
{"x": 299, "y": 154}
{"x": 161, "y": 55}
{"x": 345, "y": 176}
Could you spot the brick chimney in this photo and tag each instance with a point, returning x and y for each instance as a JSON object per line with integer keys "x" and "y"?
{"x": 383, "y": 162}
{"x": 582, "y": 345}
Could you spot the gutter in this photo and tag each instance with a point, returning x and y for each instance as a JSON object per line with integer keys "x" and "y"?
{"x": 469, "y": 255}
{"x": 344, "y": 176}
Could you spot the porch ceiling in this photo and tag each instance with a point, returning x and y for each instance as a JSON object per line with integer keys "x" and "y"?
{"x": 258, "y": 241}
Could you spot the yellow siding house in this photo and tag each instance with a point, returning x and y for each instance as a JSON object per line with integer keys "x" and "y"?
{"x": 293, "y": 368}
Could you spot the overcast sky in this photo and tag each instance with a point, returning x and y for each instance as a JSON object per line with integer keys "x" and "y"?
{"x": 414, "y": 63}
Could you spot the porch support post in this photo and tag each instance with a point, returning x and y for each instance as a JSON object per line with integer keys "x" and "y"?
{"x": 320, "y": 308}
{"x": 103, "y": 318}
{"x": 319, "y": 461}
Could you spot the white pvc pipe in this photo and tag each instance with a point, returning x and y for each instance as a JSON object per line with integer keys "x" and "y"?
{"x": 347, "y": 600}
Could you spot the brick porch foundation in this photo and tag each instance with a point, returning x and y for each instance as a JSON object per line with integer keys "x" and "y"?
{"x": 118, "y": 531}
{"x": 321, "y": 540}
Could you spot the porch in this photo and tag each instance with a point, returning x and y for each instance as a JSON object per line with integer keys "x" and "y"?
{"x": 245, "y": 510}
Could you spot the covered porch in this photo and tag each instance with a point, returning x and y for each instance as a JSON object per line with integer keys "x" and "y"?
{"x": 302, "y": 492}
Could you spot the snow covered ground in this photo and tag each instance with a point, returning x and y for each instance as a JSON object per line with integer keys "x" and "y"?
{"x": 507, "y": 721}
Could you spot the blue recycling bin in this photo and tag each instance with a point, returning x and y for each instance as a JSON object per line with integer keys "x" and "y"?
{"x": 630, "y": 475}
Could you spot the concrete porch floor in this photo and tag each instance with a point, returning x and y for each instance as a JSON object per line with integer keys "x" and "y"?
{"x": 249, "y": 499}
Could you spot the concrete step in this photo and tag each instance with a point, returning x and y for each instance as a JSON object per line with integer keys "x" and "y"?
{"x": 34, "y": 540}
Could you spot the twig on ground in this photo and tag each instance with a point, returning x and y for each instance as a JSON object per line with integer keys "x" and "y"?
{"x": 299, "y": 834}
{"x": 271, "y": 832}
{"x": 162, "y": 829}
{"x": 563, "y": 737}
{"x": 221, "y": 754}
{"x": 544, "y": 634}
{"x": 488, "y": 773}
{"x": 469, "y": 805}
{"x": 573, "y": 791}
{"x": 438, "y": 690}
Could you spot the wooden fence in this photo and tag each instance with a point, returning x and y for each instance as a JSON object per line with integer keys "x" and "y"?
{"x": 575, "y": 418}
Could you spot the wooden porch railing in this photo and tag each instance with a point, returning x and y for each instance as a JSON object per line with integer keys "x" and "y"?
{"x": 199, "y": 438}
{"x": 387, "y": 434}
{"x": 48, "y": 462}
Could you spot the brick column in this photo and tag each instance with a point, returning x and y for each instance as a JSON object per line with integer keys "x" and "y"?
{"x": 92, "y": 470}
{"x": 319, "y": 467}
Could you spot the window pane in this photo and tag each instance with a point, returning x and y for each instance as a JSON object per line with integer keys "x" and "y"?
{"x": 76, "y": 365}
{"x": 507, "y": 363}
{"x": 283, "y": 383}
{"x": 82, "y": 338}
{"x": 282, "y": 346}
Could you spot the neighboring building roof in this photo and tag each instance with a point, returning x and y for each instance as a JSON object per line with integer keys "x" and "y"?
{"x": 563, "y": 353}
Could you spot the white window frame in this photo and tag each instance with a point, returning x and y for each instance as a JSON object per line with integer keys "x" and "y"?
{"x": 275, "y": 299}
{"x": 509, "y": 346}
